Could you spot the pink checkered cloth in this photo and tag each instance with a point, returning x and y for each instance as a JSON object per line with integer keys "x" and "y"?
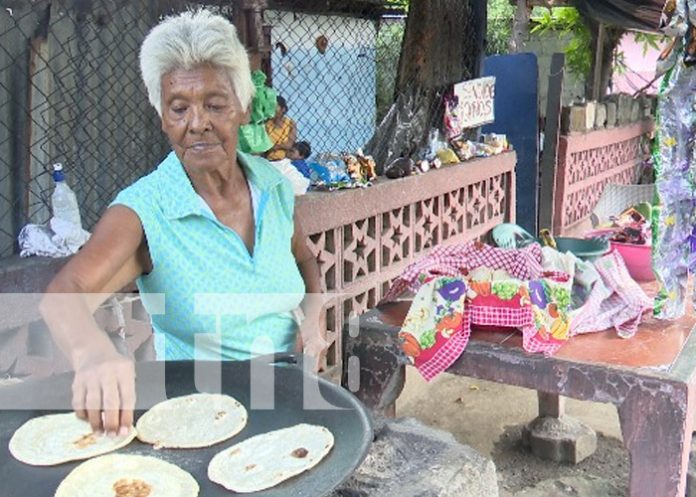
{"x": 458, "y": 260}
{"x": 615, "y": 302}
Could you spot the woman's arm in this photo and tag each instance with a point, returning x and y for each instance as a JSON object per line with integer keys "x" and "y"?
{"x": 104, "y": 379}
{"x": 312, "y": 336}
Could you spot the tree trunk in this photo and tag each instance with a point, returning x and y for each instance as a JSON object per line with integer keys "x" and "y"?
{"x": 442, "y": 46}
{"x": 520, "y": 27}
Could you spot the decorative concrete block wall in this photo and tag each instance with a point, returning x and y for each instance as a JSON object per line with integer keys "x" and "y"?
{"x": 587, "y": 162}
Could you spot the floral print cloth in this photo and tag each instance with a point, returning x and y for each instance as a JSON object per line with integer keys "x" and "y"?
{"x": 475, "y": 285}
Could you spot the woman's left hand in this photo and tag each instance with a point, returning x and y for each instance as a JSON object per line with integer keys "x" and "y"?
{"x": 311, "y": 339}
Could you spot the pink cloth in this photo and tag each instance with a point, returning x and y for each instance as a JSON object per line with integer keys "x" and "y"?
{"x": 615, "y": 302}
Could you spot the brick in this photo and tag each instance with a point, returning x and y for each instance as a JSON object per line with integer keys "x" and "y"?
{"x": 601, "y": 116}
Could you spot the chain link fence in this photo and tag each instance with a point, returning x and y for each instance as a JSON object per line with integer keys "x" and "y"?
{"x": 70, "y": 90}
{"x": 336, "y": 73}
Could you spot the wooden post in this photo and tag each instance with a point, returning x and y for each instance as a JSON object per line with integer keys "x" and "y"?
{"x": 551, "y": 405}
{"x": 40, "y": 86}
{"x": 598, "y": 65}
{"x": 552, "y": 131}
{"x": 255, "y": 39}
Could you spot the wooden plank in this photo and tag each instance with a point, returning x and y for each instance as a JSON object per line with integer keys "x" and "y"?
{"x": 551, "y": 135}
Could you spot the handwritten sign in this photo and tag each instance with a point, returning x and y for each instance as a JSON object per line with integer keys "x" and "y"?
{"x": 475, "y": 102}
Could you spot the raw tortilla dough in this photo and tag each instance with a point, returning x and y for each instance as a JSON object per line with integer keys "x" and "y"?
{"x": 198, "y": 420}
{"x": 122, "y": 475}
{"x": 58, "y": 438}
{"x": 266, "y": 460}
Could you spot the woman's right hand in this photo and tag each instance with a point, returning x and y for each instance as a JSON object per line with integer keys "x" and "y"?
{"x": 103, "y": 392}
{"x": 115, "y": 255}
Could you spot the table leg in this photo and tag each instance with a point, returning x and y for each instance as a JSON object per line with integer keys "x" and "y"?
{"x": 551, "y": 405}
{"x": 374, "y": 370}
{"x": 656, "y": 424}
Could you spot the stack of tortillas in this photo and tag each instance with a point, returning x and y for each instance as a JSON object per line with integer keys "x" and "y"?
{"x": 266, "y": 460}
{"x": 198, "y": 420}
{"x": 118, "y": 475}
{"x": 58, "y": 438}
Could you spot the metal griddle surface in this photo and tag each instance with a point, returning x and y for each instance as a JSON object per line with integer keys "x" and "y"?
{"x": 349, "y": 423}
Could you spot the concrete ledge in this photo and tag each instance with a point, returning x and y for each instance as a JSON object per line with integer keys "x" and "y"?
{"x": 28, "y": 275}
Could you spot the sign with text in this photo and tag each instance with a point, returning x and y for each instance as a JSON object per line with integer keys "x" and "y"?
{"x": 475, "y": 102}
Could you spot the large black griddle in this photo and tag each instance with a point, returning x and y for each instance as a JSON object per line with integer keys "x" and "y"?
{"x": 348, "y": 421}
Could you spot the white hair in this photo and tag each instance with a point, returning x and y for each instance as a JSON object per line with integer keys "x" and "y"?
{"x": 191, "y": 39}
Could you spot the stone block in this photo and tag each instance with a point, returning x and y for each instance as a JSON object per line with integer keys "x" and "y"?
{"x": 646, "y": 106}
{"x": 625, "y": 106}
{"x": 563, "y": 439}
{"x": 565, "y": 120}
{"x": 601, "y": 116}
{"x": 636, "y": 111}
{"x": 590, "y": 113}
{"x": 611, "y": 114}
{"x": 577, "y": 121}
{"x": 409, "y": 459}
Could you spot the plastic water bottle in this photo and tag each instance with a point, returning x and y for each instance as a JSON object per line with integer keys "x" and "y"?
{"x": 63, "y": 199}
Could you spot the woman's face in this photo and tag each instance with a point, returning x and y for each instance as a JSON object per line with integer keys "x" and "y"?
{"x": 201, "y": 115}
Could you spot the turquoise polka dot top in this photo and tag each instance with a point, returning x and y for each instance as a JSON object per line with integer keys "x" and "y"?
{"x": 208, "y": 298}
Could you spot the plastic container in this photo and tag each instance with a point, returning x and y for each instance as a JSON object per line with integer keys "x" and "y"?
{"x": 63, "y": 200}
{"x": 638, "y": 259}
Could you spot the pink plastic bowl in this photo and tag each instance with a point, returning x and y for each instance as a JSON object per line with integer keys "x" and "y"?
{"x": 638, "y": 259}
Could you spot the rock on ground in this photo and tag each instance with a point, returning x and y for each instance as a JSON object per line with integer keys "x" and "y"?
{"x": 409, "y": 459}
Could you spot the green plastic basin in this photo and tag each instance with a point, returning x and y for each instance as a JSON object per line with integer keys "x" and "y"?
{"x": 586, "y": 249}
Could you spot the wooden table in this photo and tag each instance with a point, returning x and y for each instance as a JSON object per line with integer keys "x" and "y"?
{"x": 649, "y": 378}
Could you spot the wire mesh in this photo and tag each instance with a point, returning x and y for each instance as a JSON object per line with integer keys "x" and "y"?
{"x": 70, "y": 90}
{"x": 336, "y": 73}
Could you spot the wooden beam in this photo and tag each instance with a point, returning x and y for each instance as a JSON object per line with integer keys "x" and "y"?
{"x": 552, "y": 130}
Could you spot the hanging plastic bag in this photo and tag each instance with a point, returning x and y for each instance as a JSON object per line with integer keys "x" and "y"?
{"x": 253, "y": 139}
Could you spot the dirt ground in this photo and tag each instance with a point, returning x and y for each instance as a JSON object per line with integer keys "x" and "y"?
{"x": 488, "y": 417}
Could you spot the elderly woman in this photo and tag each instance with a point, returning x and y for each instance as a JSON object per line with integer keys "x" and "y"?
{"x": 211, "y": 229}
{"x": 282, "y": 131}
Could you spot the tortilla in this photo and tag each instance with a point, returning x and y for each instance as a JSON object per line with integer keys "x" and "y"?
{"x": 58, "y": 438}
{"x": 266, "y": 460}
{"x": 123, "y": 475}
{"x": 192, "y": 421}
